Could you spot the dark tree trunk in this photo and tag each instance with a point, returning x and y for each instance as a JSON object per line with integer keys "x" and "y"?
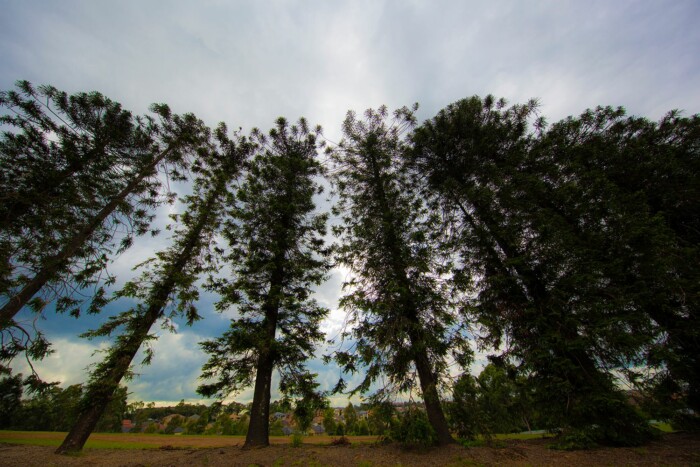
{"x": 259, "y": 429}
{"x": 57, "y": 262}
{"x": 100, "y": 393}
{"x": 431, "y": 398}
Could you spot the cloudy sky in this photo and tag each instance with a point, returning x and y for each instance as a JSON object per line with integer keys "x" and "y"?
{"x": 248, "y": 62}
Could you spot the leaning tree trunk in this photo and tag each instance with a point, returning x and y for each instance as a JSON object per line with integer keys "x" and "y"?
{"x": 101, "y": 391}
{"x": 431, "y": 399}
{"x": 54, "y": 264}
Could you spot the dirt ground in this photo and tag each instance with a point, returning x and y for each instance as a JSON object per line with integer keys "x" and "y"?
{"x": 674, "y": 449}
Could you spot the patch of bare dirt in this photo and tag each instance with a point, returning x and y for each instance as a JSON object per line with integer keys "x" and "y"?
{"x": 675, "y": 449}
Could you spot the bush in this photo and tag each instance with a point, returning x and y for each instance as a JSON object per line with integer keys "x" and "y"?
{"x": 574, "y": 440}
{"x": 611, "y": 421}
{"x": 414, "y": 430}
{"x": 686, "y": 421}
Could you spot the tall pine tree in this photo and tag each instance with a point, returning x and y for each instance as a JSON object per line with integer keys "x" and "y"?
{"x": 400, "y": 319}
{"x": 277, "y": 255}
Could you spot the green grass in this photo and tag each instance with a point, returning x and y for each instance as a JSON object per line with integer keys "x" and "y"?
{"x": 155, "y": 440}
{"x": 89, "y": 445}
{"x": 664, "y": 427}
{"x": 497, "y": 439}
{"x": 522, "y": 435}
{"x": 128, "y": 441}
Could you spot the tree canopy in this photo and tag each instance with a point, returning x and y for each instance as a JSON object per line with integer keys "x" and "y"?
{"x": 568, "y": 253}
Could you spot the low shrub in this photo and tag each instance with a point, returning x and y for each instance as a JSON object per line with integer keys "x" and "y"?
{"x": 297, "y": 440}
{"x": 413, "y": 430}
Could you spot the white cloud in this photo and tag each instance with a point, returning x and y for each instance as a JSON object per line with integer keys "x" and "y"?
{"x": 67, "y": 364}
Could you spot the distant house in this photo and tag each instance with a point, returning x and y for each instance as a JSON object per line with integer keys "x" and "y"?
{"x": 279, "y": 415}
{"x": 318, "y": 419}
{"x": 287, "y": 430}
{"x": 178, "y": 431}
{"x": 127, "y": 426}
{"x": 193, "y": 418}
{"x": 318, "y": 429}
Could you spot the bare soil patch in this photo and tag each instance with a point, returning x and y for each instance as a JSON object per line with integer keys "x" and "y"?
{"x": 674, "y": 449}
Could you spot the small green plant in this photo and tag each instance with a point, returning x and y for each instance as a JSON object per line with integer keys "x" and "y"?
{"x": 663, "y": 427}
{"x": 297, "y": 440}
{"x": 472, "y": 443}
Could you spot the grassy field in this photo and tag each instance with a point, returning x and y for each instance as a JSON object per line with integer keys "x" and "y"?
{"x": 156, "y": 441}
{"x": 114, "y": 450}
{"x": 159, "y": 441}
{"x": 664, "y": 427}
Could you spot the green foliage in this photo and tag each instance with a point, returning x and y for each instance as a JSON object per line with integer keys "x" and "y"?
{"x": 11, "y": 390}
{"x": 564, "y": 252}
{"x": 167, "y": 282}
{"x": 494, "y": 402}
{"x": 362, "y": 428}
{"x": 54, "y": 408}
{"x": 196, "y": 425}
{"x": 174, "y": 423}
{"x": 305, "y": 409}
{"x": 329, "y": 424}
{"x": 381, "y": 416}
{"x": 571, "y": 249}
{"x": 606, "y": 419}
{"x": 350, "y": 418}
{"x": 413, "y": 429}
{"x": 111, "y": 419}
{"x": 277, "y": 254}
{"x": 464, "y": 413}
{"x": 82, "y": 168}
{"x": 77, "y": 170}
{"x": 400, "y": 319}
{"x": 151, "y": 428}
